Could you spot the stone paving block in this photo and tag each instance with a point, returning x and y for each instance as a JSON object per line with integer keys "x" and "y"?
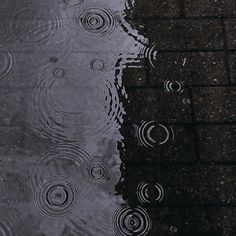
{"x": 156, "y": 104}
{"x": 195, "y": 221}
{"x": 185, "y": 34}
{"x": 203, "y": 68}
{"x": 217, "y": 142}
{"x": 230, "y": 27}
{"x": 189, "y": 185}
{"x": 202, "y": 8}
{"x": 178, "y": 148}
{"x": 157, "y": 8}
{"x": 232, "y": 65}
{"x": 215, "y": 104}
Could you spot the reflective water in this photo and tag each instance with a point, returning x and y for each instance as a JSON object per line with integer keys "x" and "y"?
{"x": 67, "y": 59}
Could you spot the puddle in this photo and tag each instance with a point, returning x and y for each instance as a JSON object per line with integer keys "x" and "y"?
{"x": 73, "y": 100}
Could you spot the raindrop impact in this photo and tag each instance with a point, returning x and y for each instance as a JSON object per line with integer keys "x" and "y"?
{"x": 98, "y": 21}
{"x": 56, "y": 196}
{"x": 62, "y": 160}
{"x": 148, "y": 193}
{"x": 150, "y": 134}
{"x": 97, "y": 65}
{"x": 173, "y": 86}
{"x": 131, "y": 221}
{"x": 7, "y": 62}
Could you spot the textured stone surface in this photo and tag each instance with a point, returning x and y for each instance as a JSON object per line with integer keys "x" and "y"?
{"x": 221, "y": 136}
{"x": 135, "y": 75}
{"x": 185, "y": 34}
{"x": 187, "y": 185}
{"x": 157, "y": 8}
{"x": 214, "y": 104}
{"x": 232, "y": 65}
{"x": 217, "y": 8}
{"x": 203, "y": 68}
{"x": 194, "y": 220}
{"x": 230, "y": 26}
{"x": 156, "y": 104}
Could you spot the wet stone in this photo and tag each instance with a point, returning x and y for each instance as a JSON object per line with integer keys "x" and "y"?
{"x": 178, "y": 148}
{"x": 135, "y": 76}
{"x": 185, "y": 34}
{"x": 232, "y": 65}
{"x": 225, "y": 8}
{"x": 147, "y": 104}
{"x": 183, "y": 185}
{"x": 217, "y": 143}
{"x": 157, "y": 8}
{"x": 203, "y": 68}
{"x": 214, "y": 104}
{"x": 230, "y": 26}
{"x": 193, "y": 220}
{"x": 198, "y": 185}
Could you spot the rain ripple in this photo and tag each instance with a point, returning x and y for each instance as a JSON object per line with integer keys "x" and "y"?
{"x": 60, "y": 160}
{"x": 147, "y": 192}
{"x": 128, "y": 221}
{"x": 35, "y": 24}
{"x": 10, "y": 223}
{"x": 56, "y": 196}
{"x": 7, "y": 62}
{"x": 59, "y": 108}
{"x": 99, "y": 21}
{"x": 150, "y": 135}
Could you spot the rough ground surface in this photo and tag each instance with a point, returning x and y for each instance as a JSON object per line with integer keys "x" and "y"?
{"x": 187, "y": 93}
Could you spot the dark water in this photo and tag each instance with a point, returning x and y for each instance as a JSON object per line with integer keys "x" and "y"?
{"x": 62, "y": 74}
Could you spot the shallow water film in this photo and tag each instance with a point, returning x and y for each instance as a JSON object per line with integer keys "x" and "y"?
{"x": 117, "y": 117}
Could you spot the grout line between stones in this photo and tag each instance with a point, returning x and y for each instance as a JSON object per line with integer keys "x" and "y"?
{"x": 226, "y": 51}
{"x": 195, "y": 132}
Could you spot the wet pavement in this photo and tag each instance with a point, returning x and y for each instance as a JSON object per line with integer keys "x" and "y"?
{"x": 117, "y": 117}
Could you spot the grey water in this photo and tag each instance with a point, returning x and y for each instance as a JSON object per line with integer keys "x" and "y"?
{"x": 64, "y": 112}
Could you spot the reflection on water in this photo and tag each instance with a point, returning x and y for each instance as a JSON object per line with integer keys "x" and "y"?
{"x": 74, "y": 102}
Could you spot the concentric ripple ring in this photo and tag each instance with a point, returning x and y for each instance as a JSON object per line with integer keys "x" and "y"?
{"x": 7, "y": 62}
{"x": 128, "y": 221}
{"x": 98, "y": 21}
{"x": 35, "y": 24}
{"x": 56, "y": 196}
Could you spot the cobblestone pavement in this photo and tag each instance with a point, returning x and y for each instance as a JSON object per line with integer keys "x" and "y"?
{"x": 118, "y": 117}
{"x": 196, "y": 42}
